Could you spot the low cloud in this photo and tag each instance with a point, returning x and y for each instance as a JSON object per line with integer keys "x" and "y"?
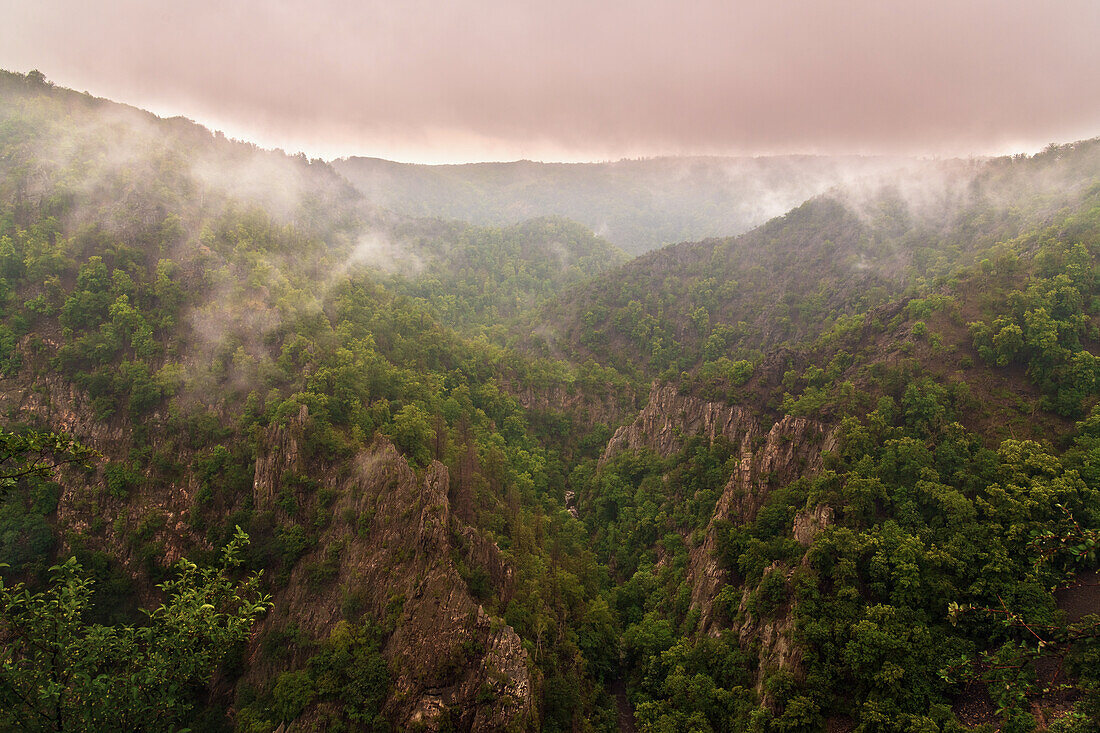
{"x": 573, "y": 79}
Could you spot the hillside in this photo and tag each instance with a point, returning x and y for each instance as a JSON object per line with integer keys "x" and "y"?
{"x": 256, "y": 357}
{"x": 797, "y": 276}
{"x": 869, "y": 528}
{"x": 474, "y": 276}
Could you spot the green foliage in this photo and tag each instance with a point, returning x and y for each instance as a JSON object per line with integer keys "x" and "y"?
{"x": 348, "y": 673}
{"x": 122, "y": 478}
{"x": 922, "y": 528}
{"x": 637, "y": 499}
{"x": 38, "y": 454}
{"x": 216, "y": 328}
{"x": 1045, "y": 326}
{"x": 59, "y": 673}
{"x": 412, "y": 433}
{"x": 26, "y": 537}
{"x": 481, "y": 276}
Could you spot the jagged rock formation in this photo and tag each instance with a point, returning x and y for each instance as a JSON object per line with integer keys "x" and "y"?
{"x": 809, "y": 523}
{"x": 791, "y": 448}
{"x": 770, "y": 457}
{"x": 587, "y": 405}
{"x": 669, "y": 415}
{"x": 773, "y": 636}
{"x": 453, "y": 664}
{"x": 58, "y": 405}
{"x": 278, "y": 454}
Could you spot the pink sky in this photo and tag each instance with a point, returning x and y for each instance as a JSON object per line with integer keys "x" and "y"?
{"x": 457, "y": 80}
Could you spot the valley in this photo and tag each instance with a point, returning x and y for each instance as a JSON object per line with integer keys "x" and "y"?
{"x": 798, "y": 443}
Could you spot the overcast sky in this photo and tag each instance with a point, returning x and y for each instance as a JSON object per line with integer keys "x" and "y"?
{"x": 456, "y": 80}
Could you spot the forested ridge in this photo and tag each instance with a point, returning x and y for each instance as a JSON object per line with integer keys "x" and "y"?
{"x": 639, "y": 205}
{"x": 841, "y": 472}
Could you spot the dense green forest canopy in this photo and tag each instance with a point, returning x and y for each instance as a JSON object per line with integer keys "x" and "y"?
{"x": 863, "y": 494}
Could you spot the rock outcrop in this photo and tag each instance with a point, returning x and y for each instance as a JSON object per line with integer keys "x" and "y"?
{"x": 809, "y": 523}
{"x": 772, "y": 454}
{"x": 388, "y": 553}
{"x": 55, "y": 404}
{"x": 790, "y": 449}
{"x": 278, "y": 454}
{"x": 772, "y": 636}
{"x": 669, "y": 416}
{"x": 453, "y": 664}
{"x": 587, "y": 405}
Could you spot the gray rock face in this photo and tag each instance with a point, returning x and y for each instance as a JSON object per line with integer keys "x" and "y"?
{"x": 773, "y": 636}
{"x": 772, "y": 455}
{"x": 60, "y": 406}
{"x": 809, "y": 523}
{"x": 588, "y": 406}
{"x": 669, "y": 416}
{"x": 279, "y": 453}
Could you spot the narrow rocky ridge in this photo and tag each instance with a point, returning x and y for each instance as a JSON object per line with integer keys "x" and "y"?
{"x": 453, "y": 664}
{"x": 793, "y": 447}
{"x": 772, "y": 454}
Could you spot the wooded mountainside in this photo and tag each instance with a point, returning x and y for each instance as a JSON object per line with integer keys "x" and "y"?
{"x": 839, "y": 472}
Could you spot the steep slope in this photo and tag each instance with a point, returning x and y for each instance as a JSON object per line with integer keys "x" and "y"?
{"x": 794, "y": 277}
{"x": 482, "y": 277}
{"x": 118, "y": 171}
{"x": 902, "y": 498}
{"x": 231, "y": 346}
{"x": 767, "y": 457}
{"x": 391, "y": 554}
{"x": 854, "y": 512}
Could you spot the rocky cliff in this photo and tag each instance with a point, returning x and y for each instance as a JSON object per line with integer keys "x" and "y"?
{"x": 771, "y": 455}
{"x": 791, "y": 448}
{"x": 86, "y": 505}
{"x": 587, "y": 405}
{"x": 453, "y": 664}
{"x": 772, "y": 636}
{"x": 669, "y": 416}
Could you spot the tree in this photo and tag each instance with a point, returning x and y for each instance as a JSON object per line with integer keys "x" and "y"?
{"x": 412, "y": 433}
{"x": 59, "y": 674}
{"x": 36, "y": 78}
{"x": 36, "y": 454}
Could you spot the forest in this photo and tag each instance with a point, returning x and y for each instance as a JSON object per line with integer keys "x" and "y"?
{"x": 278, "y": 454}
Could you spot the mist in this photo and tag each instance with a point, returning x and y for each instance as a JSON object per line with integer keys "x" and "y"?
{"x": 129, "y": 173}
{"x": 119, "y": 177}
{"x": 640, "y": 205}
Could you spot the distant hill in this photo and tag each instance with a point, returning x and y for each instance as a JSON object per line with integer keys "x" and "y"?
{"x": 638, "y": 205}
{"x": 791, "y": 279}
